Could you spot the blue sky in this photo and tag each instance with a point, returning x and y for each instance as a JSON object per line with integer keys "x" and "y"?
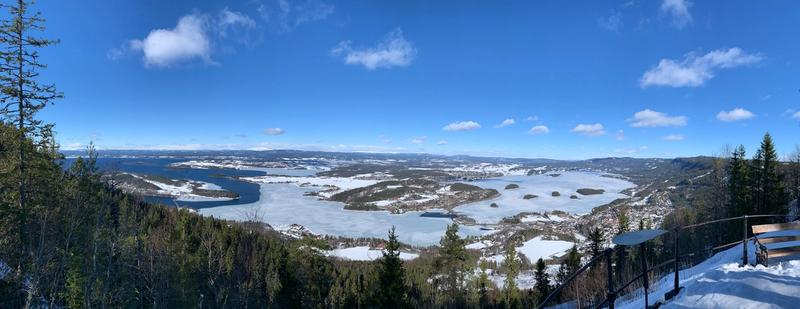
{"x": 587, "y": 79}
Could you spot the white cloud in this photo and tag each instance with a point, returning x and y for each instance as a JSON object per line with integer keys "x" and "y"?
{"x": 165, "y": 47}
{"x": 462, "y": 126}
{"x": 506, "y": 123}
{"x": 678, "y": 10}
{"x": 540, "y": 129}
{"x": 393, "y": 51}
{"x": 532, "y": 118}
{"x": 620, "y": 135}
{"x": 441, "y": 143}
{"x": 693, "y": 70}
{"x": 735, "y": 114}
{"x": 589, "y": 129}
{"x": 796, "y": 115}
{"x": 673, "y": 137}
{"x": 651, "y": 118}
{"x": 274, "y": 131}
{"x": 419, "y": 139}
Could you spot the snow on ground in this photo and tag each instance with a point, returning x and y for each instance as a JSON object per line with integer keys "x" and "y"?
{"x": 542, "y": 218}
{"x": 365, "y": 253}
{"x": 504, "y": 169}
{"x": 480, "y": 245}
{"x": 537, "y": 248}
{"x": 511, "y": 202}
{"x": 342, "y": 183}
{"x": 719, "y": 282}
{"x": 184, "y": 191}
{"x": 234, "y": 164}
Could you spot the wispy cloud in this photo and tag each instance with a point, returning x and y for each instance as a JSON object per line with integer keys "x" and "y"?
{"x": 620, "y": 135}
{"x": 796, "y": 115}
{"x": 532, "y": 118}
{"x": 441, "y": 143}
{"x": 393, "y": 51}
{"x": 678, "y": 11}
{"x": 612, "y": 22}
{"x": 505, "y": 123}
{"x": 693, "y": 70}
{"x": 650, "y": 118}
{"x": 285, "y": 16}
{"x": 735, "y": 114}
{"x": 596, "y": 129}
{"x": 274, "y": 131}
{"x": 462, "y": 126}
{"x": 673, "y": 137}
{"x": 540, "y": 129}
{"x": 419, "y": 139}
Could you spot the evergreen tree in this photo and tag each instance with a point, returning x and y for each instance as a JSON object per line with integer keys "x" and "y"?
{"x": 452, "y": 265}
{"x": 391, "y": 276}
{"x": 542, "y": 285}
{"x": 738, "y": 184}
{"x": 483, "y": 284}
{"x": 22, "y": 94}
{"x": 773, "y": 198}
{"x": 596, "y": 240}
{"x": 511, "y": 269}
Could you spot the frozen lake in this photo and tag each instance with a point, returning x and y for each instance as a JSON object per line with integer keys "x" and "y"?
{"x": 511, "y": 202}
{"x": 283, "y": 204}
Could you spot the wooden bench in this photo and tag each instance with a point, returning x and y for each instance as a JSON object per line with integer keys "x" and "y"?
{"x": 763, "y": 253}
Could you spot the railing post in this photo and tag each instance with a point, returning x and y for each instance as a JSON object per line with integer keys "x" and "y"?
{"x": 744, "y": 241}
{"x": 644, "y": 273}
{"x": 610, "y": 295}
{"x": 675, "y": 265}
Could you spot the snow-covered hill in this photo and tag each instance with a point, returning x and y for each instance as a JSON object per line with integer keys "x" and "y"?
{"x": 719, "y": 282}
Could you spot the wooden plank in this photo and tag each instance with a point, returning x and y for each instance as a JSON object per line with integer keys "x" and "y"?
{"x": 773, "y": 253}
{"x": 772, "y": 240}
{"x": 764, "y": 228}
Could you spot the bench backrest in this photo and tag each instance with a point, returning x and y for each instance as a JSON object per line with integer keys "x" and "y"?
{"x": 765, "y": 228}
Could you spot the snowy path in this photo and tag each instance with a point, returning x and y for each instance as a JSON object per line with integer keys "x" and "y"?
{"x": 719, "y": 282}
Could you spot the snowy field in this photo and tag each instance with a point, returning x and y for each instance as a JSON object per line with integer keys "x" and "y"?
{"x": 719, "y": 282}
{"x": 537, "y": 248}
{"x": 364, "y": 253}
{"x": 282, "y": 204}
{"x": 511, "y": 202}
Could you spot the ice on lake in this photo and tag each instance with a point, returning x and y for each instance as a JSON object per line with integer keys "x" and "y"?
{"x": 511, "y": 202}
{"x": 283, "y": 204}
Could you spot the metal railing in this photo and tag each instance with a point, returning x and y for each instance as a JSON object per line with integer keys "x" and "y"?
{"x": 612, "y": 292}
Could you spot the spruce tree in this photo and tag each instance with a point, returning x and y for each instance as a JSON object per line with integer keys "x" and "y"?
{"x": 542, "y": 284}
{"x": 392, "y": 290}
{"x": 22, "y": 94}
{"x": 452, "y": 265}
{"x": 738, "y": 184}
{"x": 511, "y": 269}
{"x": 772, "y": 192}
{"x": 596, "y": 240}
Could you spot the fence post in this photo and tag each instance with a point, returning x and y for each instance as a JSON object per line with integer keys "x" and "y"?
{"x": 744, "y": 241}
{"x": 675, "y": 265}
{"x": 610, "y": 295}
{"x": 644, "y": 273}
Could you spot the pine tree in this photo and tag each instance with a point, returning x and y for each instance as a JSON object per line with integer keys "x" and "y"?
{"x": 511, "y": 269}
{"x": 391, "y": 276}
{"x": 542, "y": 285}
{"x": 483, "y": 284}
